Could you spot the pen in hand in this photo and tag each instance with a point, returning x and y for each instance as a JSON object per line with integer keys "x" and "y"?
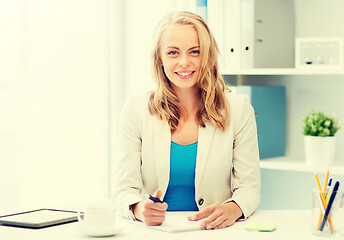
{"x": 154, "y": 199}
{"x": 151, "y": 211}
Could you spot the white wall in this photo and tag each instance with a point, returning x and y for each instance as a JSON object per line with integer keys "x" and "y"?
{"x": 53, "y": 102}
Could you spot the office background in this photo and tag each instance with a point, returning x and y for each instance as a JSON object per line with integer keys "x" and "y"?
{"x": 66, "y": 69}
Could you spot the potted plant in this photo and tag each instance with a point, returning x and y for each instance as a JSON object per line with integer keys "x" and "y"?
{"x": 319, "y": 130}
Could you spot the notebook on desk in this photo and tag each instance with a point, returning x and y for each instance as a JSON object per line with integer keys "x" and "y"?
{"x": 174, "y": 222}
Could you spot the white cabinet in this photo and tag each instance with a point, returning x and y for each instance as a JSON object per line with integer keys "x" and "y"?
{"x": 253, "y": 33}
{"x": 257, "y": 37}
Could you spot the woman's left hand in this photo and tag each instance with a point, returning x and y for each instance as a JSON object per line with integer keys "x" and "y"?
{"x": 218, "y": 215}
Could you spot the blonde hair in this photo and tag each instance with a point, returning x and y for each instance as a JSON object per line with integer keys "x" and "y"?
{"x": 210, "y": 85}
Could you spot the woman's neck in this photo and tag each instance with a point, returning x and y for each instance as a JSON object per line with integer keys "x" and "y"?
{"x": 189, "y": 99}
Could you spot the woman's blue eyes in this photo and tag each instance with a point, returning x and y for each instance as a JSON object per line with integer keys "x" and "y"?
{"x": 175, "y": 52}
{"x": 172, "y": 53}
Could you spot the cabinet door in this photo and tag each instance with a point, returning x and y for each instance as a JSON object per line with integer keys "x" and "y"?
{"x": 274, "y": 34}
{"x": 224, "y": 22}
{"x": 232, "y": 34}
{"x": 253, "y": 33}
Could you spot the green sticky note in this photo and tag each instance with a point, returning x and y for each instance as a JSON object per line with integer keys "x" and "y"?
{"x": 261, "y": 227}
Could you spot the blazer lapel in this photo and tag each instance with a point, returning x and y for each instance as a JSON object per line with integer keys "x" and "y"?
{"x": 205, "y": 139}
{"x": 162, "y": 148}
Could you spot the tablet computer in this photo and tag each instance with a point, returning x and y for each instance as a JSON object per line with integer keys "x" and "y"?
{"x": 39, "y": 218}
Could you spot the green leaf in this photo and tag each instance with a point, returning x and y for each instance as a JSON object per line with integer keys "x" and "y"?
{"x": 319, "y": 124}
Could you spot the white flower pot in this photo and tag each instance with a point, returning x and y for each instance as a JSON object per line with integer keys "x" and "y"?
{"x": 319, "y": 151}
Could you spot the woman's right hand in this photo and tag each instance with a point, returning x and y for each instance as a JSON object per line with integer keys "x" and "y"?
{"x": 149, "y": 212}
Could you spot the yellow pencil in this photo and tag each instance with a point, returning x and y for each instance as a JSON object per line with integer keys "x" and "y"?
{"x": 326, "y": 179}
{"x": 325, "y": 186}
{"x": 322, "y": 195}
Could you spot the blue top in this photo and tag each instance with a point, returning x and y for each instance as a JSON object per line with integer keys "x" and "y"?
{"x": 180, "y": 194}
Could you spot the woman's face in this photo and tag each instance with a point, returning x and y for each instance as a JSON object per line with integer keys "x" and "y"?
{"x": 180, "y": 55}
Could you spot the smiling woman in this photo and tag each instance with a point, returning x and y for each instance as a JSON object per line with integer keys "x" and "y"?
{"x": 190, "y": 143}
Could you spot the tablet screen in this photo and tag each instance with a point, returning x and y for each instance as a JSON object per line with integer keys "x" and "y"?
{"x": 39, "y": 218}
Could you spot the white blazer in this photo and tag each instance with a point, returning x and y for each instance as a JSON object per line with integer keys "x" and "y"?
{"x": 227, "y": 163}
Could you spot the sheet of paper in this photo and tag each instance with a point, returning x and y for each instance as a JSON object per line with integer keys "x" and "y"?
{"x": 175, "y": 222}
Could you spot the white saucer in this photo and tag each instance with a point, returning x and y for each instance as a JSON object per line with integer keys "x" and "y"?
{"x": 94, "y": 232}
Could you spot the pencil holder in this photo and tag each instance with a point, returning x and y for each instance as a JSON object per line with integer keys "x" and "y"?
{"x": 328, "y": 213}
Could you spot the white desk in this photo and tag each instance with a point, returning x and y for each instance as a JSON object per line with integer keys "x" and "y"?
{"x": 291, "y": 225}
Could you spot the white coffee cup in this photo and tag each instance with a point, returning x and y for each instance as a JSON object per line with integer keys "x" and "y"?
{"x": 98, "y": 221}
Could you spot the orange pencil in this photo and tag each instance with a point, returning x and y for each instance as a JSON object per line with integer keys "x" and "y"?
{"x": 322, "y": 195}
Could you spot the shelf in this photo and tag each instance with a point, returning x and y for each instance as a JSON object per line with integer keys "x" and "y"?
{"x": 284, "y": 71}
{"x": 288, "y": 164}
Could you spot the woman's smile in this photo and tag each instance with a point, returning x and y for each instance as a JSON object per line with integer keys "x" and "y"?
{"x": 185, "y": 74}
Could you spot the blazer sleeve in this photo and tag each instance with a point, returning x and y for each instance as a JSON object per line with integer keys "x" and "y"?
{"x": 245, "y": 177}
{"x": 127, "y": 174}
